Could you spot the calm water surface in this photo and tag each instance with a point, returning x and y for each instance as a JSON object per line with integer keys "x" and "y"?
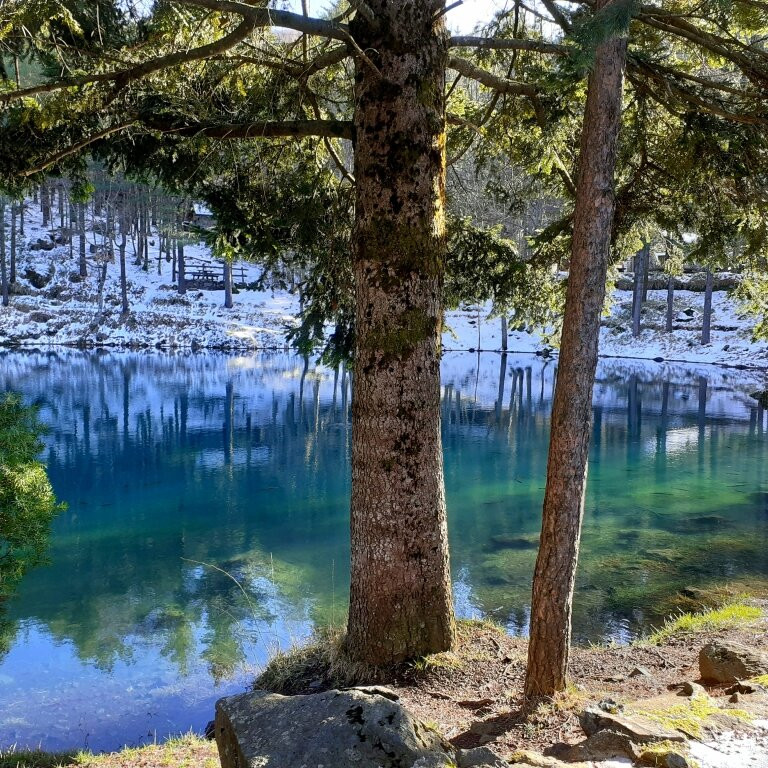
{"x": 207, "y": 519}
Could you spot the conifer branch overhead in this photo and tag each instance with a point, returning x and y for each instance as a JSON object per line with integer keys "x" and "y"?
{"x": 124, "y": 76}
{"x": 260, "y": 129}
{"x": 506, "y": 43}
{"x": 488, "y": 79}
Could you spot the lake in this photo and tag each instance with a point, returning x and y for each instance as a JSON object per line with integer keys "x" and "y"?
{"x": 207, "y": 519}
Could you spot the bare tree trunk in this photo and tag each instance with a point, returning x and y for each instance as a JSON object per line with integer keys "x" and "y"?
{"x": 182, "y": 284}
{"x": 12, "y": 276}
{"x": 60, "y": 193}
{"x": 400, "y": 592}
{"x": 227, "y": 284}
{"x": 3, "y": 266}
{"x": 81, "y": 227}
{"x": 639, "y": 294}
{"x": 707, "y": 320}
{"x": 45, "y": 203}
{"x": 552, "y": 598}
{"x": 504, "y": 333}
{"x": 670, "y": 304}
{"x": 124, "y": 308}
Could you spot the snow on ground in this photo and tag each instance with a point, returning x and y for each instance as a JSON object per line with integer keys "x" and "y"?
{"x": 65, "y": 311}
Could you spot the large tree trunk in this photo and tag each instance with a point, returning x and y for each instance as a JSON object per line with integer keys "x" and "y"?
{"x": 550, "y": 633}
{"x": 400, "y": 597}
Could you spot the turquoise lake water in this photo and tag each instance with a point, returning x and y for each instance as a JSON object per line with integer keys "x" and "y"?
{"x": 207, "y": 519}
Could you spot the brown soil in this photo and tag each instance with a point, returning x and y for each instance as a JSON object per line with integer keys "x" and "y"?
{"x": 473, "y": 696}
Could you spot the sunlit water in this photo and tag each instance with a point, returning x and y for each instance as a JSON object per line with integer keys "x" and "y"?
{"x": 207, "y": 519}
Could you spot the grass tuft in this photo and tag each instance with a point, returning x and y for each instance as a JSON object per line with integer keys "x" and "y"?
{"x": 320, "y": 664}
{"x": 726, "y": 617}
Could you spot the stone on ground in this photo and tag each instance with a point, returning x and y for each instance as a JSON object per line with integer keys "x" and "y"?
{"x": 724, "y": 661}
{"x": 639, "y": 729}
{"x": 334, "y": 729}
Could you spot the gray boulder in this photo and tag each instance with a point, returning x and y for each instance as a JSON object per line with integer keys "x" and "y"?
{"x": 639, "y": 729}
{"x": 335, "y": 729}
{"x": 723, "y": 661}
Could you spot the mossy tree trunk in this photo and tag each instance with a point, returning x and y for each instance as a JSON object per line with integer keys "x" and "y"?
{"x": 552, "y": 599}
{"x": 400, "y": 597}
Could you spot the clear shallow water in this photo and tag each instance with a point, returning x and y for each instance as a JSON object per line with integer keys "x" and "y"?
{"x": 176, "y": 466}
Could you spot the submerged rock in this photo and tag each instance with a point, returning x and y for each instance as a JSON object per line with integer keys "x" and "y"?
{"x": 723, "y": 661}
{"x": 334, "y": 729}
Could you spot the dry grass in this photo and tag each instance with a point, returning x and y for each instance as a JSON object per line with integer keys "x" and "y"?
{"x": 189, "y": 751}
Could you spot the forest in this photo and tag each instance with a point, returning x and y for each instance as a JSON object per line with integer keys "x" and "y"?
{"x": 404, "y": 359}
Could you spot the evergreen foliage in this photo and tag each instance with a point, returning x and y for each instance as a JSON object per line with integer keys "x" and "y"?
{"x": 27, "y": 502}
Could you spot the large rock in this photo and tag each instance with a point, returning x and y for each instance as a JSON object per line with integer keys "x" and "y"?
{"x": 723, "y": 661}
{"x": 357, "y": 728}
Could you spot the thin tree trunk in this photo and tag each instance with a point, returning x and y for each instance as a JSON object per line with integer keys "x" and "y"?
{"x": 182, "y": 284}
{"x": 400, "y": 592}
{"x": 552, "y": 598}
{"x": 12, "y": 276}
{"x": 45, "y": 204}
{"x": 3, "y": 266}
{"x": 121, "y": 248}
{"x": 81, "y": 227}
{"x": 670, "y": 304}
{"x": 646, "y": 269}
{"x": 227, "y": 284}
{"x": 707, "y": 320}
{"x": 504, "y": 333}
{"x": 124, "y": 308}
{"x": 641, "y": 271}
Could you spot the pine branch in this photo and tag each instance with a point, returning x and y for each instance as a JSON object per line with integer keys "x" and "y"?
{"x": 269, "y": 17}
{"x": 488, "y": 79}
{"x": 75, "y": 148}
{"x": 263, "y": 129}
{"x": 506, "y": 43}
{"x": 125, "y": 76}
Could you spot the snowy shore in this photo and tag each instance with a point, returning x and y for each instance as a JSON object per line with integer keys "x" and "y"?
{"x": 64, "y": 310}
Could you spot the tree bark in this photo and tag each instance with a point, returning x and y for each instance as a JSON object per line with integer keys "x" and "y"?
{"x": 707, "y": 320}
{"x": 552, "y": 598}
{"x": 400, "y": 594}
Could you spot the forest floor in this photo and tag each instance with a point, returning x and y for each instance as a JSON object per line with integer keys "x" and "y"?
{"x": 51, "y": 305}
{"x": 472, "y": 696}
